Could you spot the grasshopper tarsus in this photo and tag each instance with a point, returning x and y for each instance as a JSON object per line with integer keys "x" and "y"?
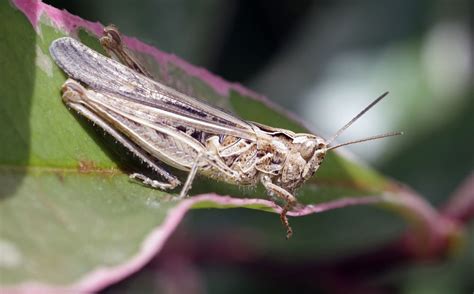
{"x": 154, "y": 183}
{"x": 290, "y": 204}
{"x": 286, "y": 223}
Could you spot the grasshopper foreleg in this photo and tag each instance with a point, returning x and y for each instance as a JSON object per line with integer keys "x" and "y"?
{"x": 284, "y": 195}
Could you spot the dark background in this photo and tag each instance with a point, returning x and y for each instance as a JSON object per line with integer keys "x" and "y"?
{"x": 325, "y": 60}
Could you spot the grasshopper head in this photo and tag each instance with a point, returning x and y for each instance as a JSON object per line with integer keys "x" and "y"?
{"x": 303, "y": 160}
{"x": 312, "y": 150}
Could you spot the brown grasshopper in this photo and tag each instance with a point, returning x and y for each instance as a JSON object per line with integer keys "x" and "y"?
{"x": 158, "y": 123}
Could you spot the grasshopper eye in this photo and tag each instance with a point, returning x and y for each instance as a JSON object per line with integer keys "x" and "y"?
{"x": 307, "y": 149}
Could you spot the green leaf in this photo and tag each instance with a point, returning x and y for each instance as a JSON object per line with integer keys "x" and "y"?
{"x": 70, "y": 216}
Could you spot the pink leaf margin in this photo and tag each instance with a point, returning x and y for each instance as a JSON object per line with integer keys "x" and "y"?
{"x": 102, "y": 277}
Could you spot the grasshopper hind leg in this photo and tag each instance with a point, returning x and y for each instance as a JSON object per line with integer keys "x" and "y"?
{"x": 113, "y": 45}
{"x": 74, "y": 94}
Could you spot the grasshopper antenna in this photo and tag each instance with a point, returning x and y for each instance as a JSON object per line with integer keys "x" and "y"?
{"x": 353, "y": 120}
{"x": 391, "y": 134}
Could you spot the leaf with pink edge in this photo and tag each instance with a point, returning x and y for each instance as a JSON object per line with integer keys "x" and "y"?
{"x": 71, "y": 219}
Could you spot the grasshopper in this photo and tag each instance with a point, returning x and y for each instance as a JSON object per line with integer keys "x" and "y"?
{"x": 159, "y": 124}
